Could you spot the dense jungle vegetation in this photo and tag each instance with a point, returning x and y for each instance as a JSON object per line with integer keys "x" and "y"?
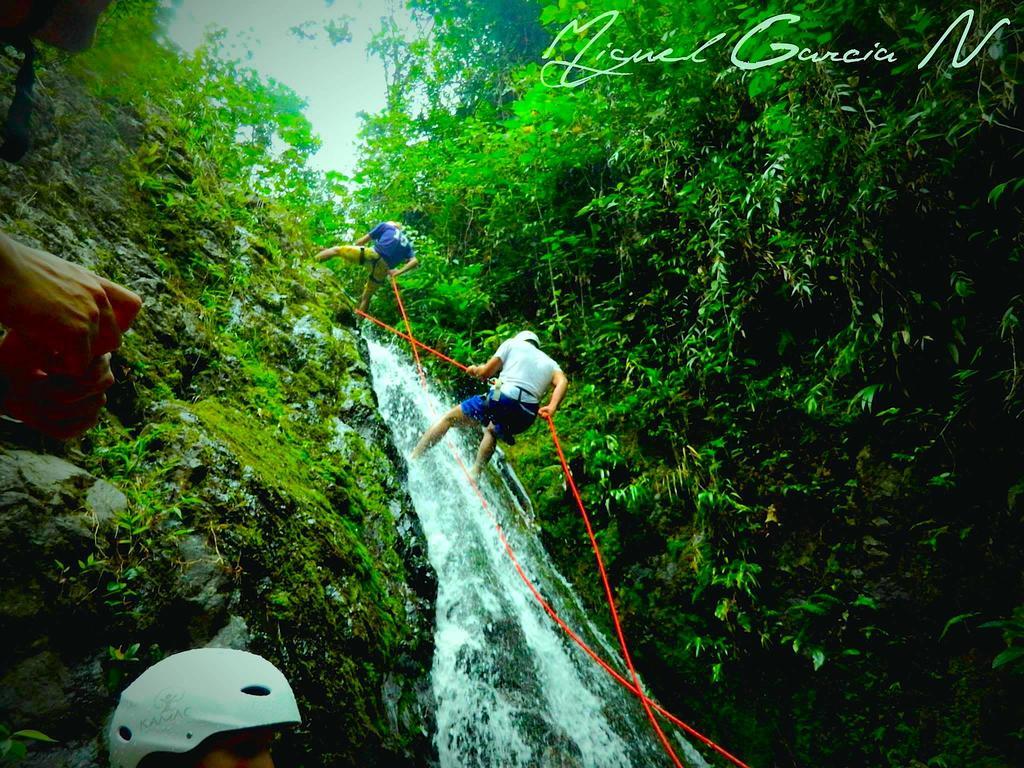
{"x": 240, "y": 488}
{"x": 788, "y": 300}
{"x": 789, "y": 303}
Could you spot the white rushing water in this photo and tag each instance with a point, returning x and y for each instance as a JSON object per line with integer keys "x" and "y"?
{"x": 512, "y": 690}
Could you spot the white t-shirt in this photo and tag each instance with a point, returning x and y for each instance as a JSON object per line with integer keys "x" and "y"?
{"x": 523, "y": 366}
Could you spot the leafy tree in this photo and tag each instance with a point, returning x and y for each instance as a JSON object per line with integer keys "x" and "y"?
{"x": 788, "y": 301}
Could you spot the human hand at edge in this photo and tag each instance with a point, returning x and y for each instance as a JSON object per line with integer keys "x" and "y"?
{"x": 57, "y": 405}
{"x": 62, "y": 309}
{"x": 546, "y": 412}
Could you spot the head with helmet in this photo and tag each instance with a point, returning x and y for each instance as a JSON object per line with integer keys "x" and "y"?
{"x": 528, "y": 336}
{"x": 204, "y": 708}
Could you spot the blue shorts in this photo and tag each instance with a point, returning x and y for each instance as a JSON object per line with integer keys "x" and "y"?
{"x": 509, "y": 417}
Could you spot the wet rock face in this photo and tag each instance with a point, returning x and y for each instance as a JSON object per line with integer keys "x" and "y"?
{"x": 50, "y": 511}
{"x": 51, "y": 673}
{"x": 241, "y": 490}
{"x": 55, "y": 674}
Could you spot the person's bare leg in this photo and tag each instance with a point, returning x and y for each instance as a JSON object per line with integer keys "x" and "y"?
{"x": 430, "y": 438}
{"x": 484, "y": 452}
{"x": 376, "y": 278}
{"x": 364, "y": 300}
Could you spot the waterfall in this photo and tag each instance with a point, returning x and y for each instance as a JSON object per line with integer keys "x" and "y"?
{"x": 511, "y": 689}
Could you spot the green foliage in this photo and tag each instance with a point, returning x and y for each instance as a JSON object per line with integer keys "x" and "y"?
{"x": 119, "y": 659}
{"x": 14, "y": 746}
{"x": 788, "y": 301}
{"x": 788, "y": 304}
{"x": 226, "y": 433}
{"x": 1013, "y": 635}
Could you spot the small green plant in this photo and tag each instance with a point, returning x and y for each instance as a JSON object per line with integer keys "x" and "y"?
{"x": 84, "y": 580}
{"x": 14, "y": 746}
{"x": 125, "y": 457}
{"x": 119, "y": 659}
{"x": 119, "y": 593}
{"x": 1013, "y": 635}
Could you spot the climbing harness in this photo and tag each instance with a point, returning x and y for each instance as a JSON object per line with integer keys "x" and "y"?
{"x": 496, "y": 390}
{"x": 373, "y": 264}
{"x": 633, "y": 686}
{"x": 494, "y": 393}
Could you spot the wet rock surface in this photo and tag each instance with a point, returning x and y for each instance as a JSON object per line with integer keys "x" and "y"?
{"x": 219, "y": 502}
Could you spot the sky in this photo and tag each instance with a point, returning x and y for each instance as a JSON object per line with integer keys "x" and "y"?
{"x": 337, "y": 81}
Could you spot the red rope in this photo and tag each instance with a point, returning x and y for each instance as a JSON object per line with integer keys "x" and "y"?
{"x": 609, "y": 596}
{"x": 633, "y": 687}
{"x": 413, "y": 340}
{"x": 408, "y": 328}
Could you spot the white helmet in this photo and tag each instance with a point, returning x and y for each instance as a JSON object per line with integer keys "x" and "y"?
{"x": 527, "y": 336}
{"x": 189, "y": 696}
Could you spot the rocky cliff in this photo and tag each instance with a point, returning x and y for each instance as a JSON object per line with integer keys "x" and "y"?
{"x": 240, "y": 490}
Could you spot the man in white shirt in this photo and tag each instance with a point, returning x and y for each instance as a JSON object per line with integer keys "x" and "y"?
{"x": 513, "y": 402}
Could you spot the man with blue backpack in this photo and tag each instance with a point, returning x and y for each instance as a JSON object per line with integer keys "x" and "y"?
{"x": 392, "y": 254}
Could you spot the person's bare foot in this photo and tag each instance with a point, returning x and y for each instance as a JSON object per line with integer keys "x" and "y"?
{"x": 474, "y": 472}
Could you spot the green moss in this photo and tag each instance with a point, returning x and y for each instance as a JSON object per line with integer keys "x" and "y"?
{"x": 273, "y": 455}
{"x": 326, "y": 572}
{"x": 310, "y": 531}
{"x": 222, "y": 423}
